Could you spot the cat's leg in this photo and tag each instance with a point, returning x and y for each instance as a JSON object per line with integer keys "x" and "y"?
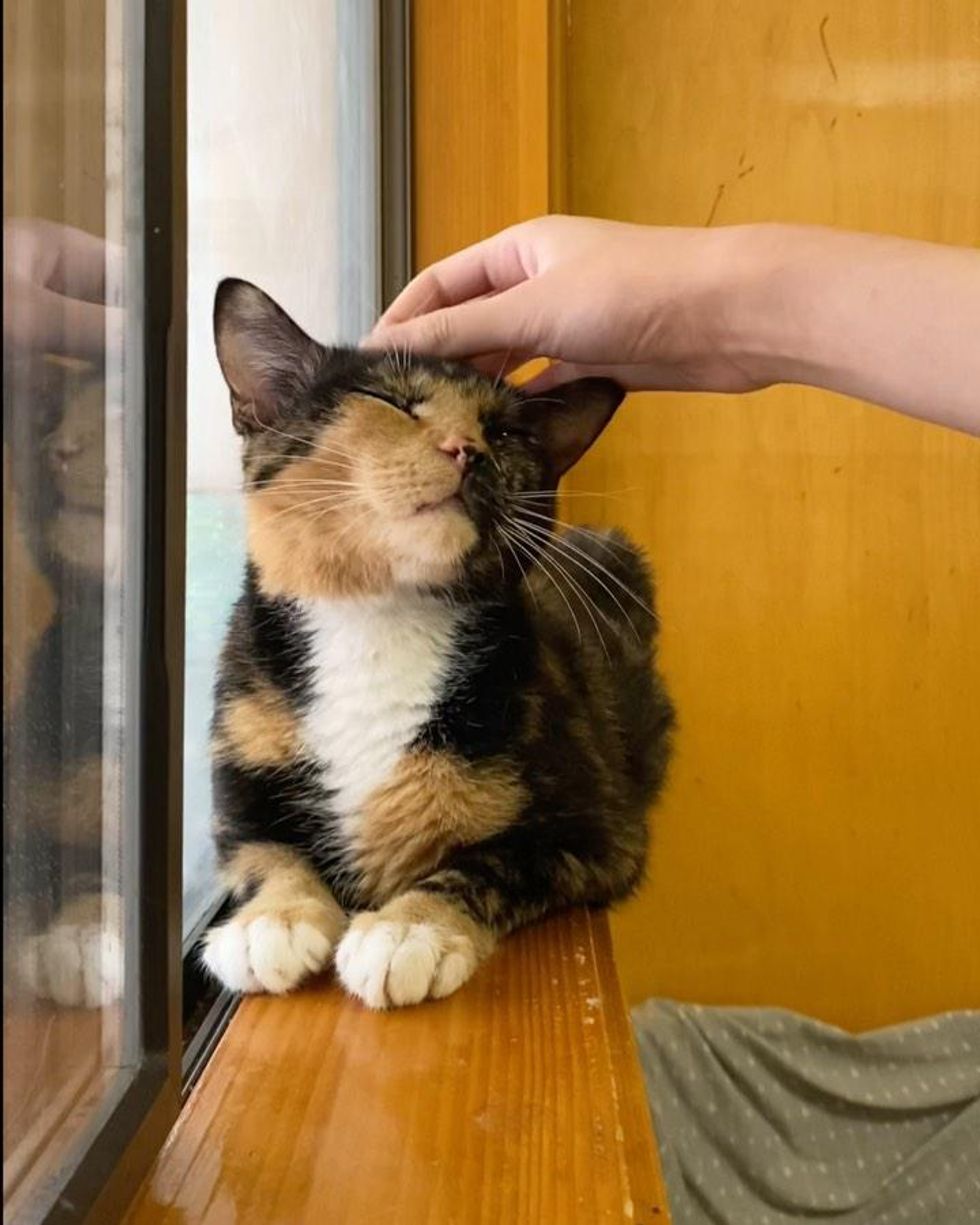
{"x": 425, "y": 943}
{"x": 286, "y": 925}
{"x": 77, "y": 962}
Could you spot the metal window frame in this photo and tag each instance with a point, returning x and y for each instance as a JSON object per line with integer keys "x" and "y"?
{"x": 395, "y": 139}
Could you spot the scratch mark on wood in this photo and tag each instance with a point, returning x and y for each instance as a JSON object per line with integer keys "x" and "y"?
{"x": 714, "y": 207}
{"x": 826, "y": 48}
{"x": 747, "y": 170}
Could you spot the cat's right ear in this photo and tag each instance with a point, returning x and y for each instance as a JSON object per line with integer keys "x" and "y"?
{"x": 268, "y": 360}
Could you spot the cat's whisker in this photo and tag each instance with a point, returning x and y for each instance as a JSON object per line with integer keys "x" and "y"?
{"x": 564, "y": 546}
{"x": 409, "y": 354}
{"x": 520, "y": 565}
{"x": 544, "y": 495}
{"x": 282, "y": 479}
{"x": 592, "y": 567}
{"x": 503, "y": 365}
{"x": 335, "y": 499}
{"x": 311, "y": 483}
{"x": 324, "y": 448}
{"x": 531, "y": 545}
{"x": 599, "y": 537}
{"x": 549, "y": 540}
{"x": 585, "y": 599}
{"x": 592, "y": 560}
{"x": 535, "y": 560}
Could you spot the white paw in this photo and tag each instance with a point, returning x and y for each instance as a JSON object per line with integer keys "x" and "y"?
{"x": 387, "y": 963}
{"x": 77, "y": 965}
{"x": 266, "y": 952}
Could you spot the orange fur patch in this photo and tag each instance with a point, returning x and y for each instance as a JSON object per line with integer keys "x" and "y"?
{"x": 432, "y": 803}
{"x": 258, "y": 729}
{"x": 343, "y": 520}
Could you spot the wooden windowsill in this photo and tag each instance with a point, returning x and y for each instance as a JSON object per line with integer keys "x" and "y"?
{"x": 519, "y": 1099}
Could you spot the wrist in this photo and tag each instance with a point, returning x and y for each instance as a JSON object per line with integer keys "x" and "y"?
{"x": 768, "y": 302}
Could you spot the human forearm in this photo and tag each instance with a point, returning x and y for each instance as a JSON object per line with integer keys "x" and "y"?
{"x": 883, "y": 319}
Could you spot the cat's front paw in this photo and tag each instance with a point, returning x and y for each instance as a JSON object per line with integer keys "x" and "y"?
{"x": 398, "y": 955}
{"x": 269, "y": 949}
{"x": 78, "y": 961}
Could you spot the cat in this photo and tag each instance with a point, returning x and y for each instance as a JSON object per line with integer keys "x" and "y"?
{"x": 61, "y": 915}
{"x": 436, "y": 718}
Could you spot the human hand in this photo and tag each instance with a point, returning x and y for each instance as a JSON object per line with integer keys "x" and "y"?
{"x": 55, "y": 280}
{"x": 646, "y": 306}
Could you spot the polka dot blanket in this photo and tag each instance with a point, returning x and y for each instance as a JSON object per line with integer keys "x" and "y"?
{"x": 765, "y": 1117}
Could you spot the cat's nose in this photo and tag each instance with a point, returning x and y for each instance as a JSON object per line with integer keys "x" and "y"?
{"x": 462, "y": 451}
{"x": 65, "y": 450}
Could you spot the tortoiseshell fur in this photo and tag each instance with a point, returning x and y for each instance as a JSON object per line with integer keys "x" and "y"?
{"x": 435, "y": 713}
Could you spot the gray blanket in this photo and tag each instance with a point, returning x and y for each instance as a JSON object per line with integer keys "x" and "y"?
{"x": 765, "y": 1117}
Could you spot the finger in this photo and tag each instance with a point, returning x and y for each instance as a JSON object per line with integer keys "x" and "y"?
{"x": 86, "y": 267}
{"x": 486, "y": 267}
{"x": 69, "y": 328}
{"x": 488, "y": 325}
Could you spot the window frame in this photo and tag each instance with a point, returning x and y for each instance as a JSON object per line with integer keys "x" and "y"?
{"x": 103, "y": 1182}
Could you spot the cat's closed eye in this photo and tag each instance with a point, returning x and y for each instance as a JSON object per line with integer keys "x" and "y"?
{"x": 403, "y": 405}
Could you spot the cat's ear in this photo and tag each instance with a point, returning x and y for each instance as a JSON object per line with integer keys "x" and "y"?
{"x": 569, "y": 419}
{"x": 268, "y": 360}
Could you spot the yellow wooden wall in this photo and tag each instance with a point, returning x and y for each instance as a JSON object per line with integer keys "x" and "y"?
{"x": 819, "y": 560}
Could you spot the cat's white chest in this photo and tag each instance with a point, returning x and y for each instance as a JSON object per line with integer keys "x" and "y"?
{"x": 379, "y": 666}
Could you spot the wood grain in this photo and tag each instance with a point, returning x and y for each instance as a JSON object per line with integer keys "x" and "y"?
{"x": 54, "y": 1080}
{"x": 819, "y": 559}
{"x": 516, "y": 1100}
{"x": 482, "y": 117}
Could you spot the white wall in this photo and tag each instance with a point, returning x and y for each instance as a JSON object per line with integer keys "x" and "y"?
{"x": 281, "y": 183}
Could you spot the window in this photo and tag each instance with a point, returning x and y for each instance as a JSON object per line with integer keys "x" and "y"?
{"x": 87, "y": 720}
{"x": 283, "y": 190}
{"x": 278, "y": 133}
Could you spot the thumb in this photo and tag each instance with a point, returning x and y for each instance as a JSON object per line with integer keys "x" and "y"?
{"x": 71, "y": 328}
{"x": 485, "y": 325}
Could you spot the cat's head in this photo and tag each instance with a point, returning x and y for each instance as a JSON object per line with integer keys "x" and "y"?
{"x": 370, "y": 471}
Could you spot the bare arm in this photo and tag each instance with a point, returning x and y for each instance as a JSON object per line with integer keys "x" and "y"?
{"x": 885, "y": 319}
{"x": 888, "y": 320}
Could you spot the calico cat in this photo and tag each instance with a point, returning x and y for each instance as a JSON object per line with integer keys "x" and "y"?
{"x": 61, "y": 919}
{"x": 436, "y": 718}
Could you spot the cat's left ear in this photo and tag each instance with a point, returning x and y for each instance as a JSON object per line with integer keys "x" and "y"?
{"x": 268, "y": 360}
{"x": 568, "y": 419}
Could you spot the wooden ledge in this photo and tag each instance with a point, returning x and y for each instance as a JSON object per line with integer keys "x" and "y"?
{"x": 519, "y": 1099}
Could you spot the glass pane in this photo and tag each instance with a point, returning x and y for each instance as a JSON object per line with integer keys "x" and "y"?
{"x": 282, "y": 191}
{"x": 72, "y": 419}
